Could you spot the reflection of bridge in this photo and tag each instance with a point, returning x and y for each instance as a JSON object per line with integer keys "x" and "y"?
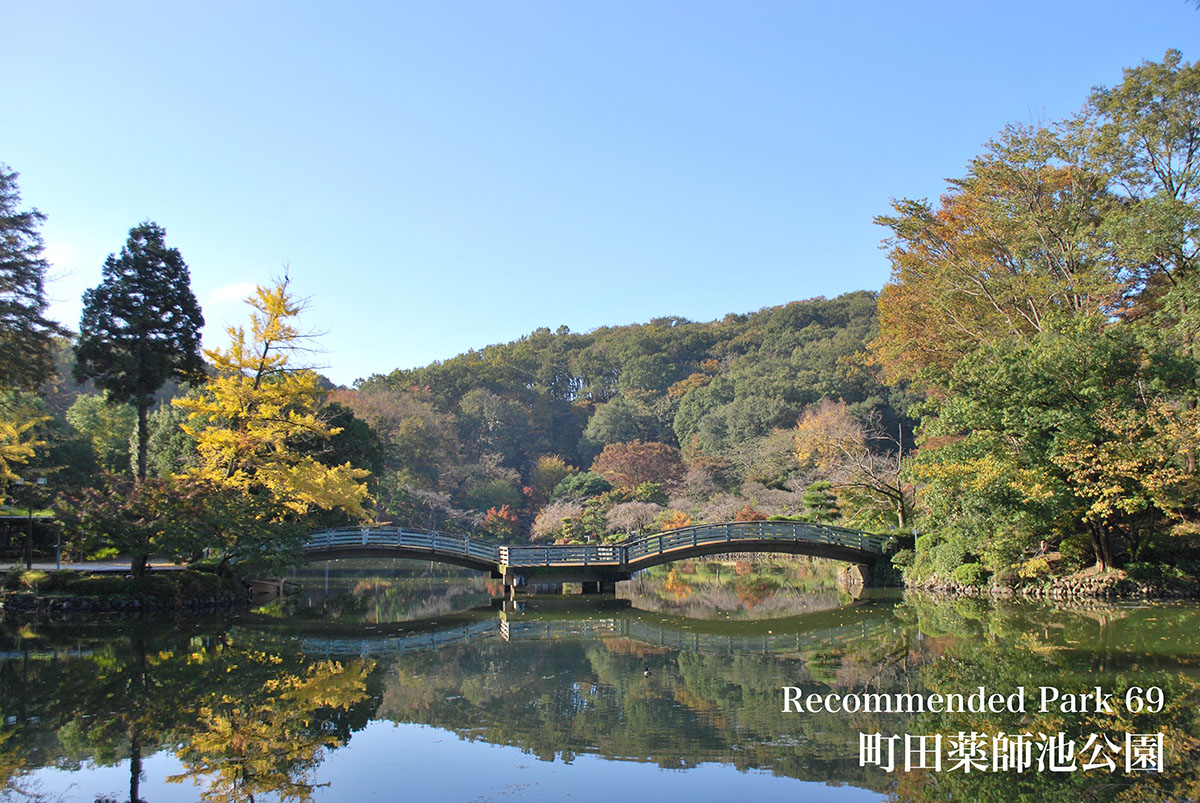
{"x": 515, "y": 629}
{"x": 597, "y": 567}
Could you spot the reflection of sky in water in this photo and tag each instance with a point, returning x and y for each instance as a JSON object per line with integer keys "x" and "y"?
{"x": 566, "y": 674}
{"x": 386, "y": 761}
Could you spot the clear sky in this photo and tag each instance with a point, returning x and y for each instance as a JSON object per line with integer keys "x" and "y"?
{"x": 441, "y": 175}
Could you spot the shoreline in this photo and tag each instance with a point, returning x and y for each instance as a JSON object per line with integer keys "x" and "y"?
{"x": 1112, "y": 585}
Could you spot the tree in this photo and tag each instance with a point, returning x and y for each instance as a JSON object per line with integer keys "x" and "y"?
{"x": 26, "y": 335}
{"x": 170, "y": 450}
{"x": 255, "y": 410}
{"x": 547, "y": 473}
{"x": 820, "y": 503}
{"x": 1018, "y": 238}
{"x": 632, "y": 517}
{"x": 107, "y": 427}
{"x": 628, "y": 464}
{"x": 583, "y": 485}
{"x": 140, "y": 327}
{"x": 138, "y": 519}
{"x": 20, "y": 413}
{"x": 855, "y": 456}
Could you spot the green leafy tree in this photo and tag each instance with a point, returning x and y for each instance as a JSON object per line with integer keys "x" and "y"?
{"x": 170, "y": 450}
{"x": 140, "y": 327}
{"x": 583, "y": 485}
{"x": 107, "y": 427}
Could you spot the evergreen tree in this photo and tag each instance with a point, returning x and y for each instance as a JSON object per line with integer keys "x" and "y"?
{"x": 140, "y": 326}
{"x": 26, "y": 336}
{"x": 820, "y": 502}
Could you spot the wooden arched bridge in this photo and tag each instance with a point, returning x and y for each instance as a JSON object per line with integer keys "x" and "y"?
{"x": 597, "y": 567}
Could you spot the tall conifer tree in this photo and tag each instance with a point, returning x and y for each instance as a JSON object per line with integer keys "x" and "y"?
{"x": 26, "y": 336}
{"x": 140, "y": 326}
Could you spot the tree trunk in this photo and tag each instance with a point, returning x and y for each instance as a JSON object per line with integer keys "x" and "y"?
{"x": 135, "y": 765}
{"x": 137, "y": 566}
{"x": 143, "y": 436}
{"x": 1102, "y": 546}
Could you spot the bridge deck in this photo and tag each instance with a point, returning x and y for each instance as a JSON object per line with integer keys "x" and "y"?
{"x": 602, "y": 559}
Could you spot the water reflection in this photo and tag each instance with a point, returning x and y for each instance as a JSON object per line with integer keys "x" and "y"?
{"x": 756, "y": 587}
{"x": 279, "y": 704}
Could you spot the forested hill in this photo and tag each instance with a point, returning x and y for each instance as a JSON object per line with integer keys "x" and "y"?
{"x": 709, "y": 409}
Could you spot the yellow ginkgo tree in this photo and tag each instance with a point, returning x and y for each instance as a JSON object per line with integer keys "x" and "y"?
{"x": 18, "y": 438}
{"x": 256, "y": 409}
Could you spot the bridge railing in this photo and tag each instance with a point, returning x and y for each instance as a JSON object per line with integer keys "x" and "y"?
{"x": 441, "y": 543}
{"x": 551, "y": 555}
{"x": 623, "y": 553}
{"x": 685, "y": 537}
{"x": 704, "y": 534}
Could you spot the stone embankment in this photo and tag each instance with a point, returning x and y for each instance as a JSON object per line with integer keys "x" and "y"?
{"x": 40, "y": 604}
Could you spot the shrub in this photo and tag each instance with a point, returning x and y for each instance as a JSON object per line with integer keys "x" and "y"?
{"x": 57, "y": 580}
{"x": 903, "y": 558}
{"x": 100, "y": 585}
{"x": 33, "y": 579}
{"x": 12, "y": 580}
{"x": 1007, "y": 578}
{"x": 1077, "y": 552}
{"x": 969, "y": 574}
{"x": 1034, "y": 569}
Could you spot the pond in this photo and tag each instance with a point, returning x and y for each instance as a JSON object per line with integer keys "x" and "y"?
{"x": 406, "y": 681}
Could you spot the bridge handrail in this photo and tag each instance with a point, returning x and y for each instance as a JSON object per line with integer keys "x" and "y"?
{"x": 622, "y": 553}
{"x": 387, "y": 536}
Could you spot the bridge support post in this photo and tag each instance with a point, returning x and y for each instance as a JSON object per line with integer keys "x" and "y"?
{"x": 857, "y": 575}
{"x": 608, "y": 586}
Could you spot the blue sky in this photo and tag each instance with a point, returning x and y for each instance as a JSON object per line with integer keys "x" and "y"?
{"x": 443, "y": 175}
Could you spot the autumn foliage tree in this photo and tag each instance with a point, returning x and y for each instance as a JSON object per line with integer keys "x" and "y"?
{"x": 1047, "y": 307}
{"x": 856, "y": 457}
{"x": 626, "y": 465}
{"x": 257, "y": 406}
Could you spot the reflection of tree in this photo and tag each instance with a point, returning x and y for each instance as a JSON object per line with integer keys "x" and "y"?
{"x": 1002, "y": 647}
{"x": 245, "y": 717}
{"x": 266, "y": 743}
{"x": 766, "y": 588}
{"x": 250, "y": 716}
{"x": 385, "y": 598}
{"x": 592, "y": 696}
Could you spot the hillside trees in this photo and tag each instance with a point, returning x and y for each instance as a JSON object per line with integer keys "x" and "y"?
{"x": 140, "y": 327}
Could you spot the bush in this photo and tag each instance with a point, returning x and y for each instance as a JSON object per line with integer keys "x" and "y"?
{"x": 1007, "y": 578}
{"x": 12, "y": 580}
{"x": 1034, "y": 569}
{"x": 100, "y": 585}
{"x": 903, "y": 558}
{"x": 33, "y": 579}
{"x": 1077, "y": 552}
{"x": 57, "y": 580}
{"x": 1162, "y": 576}
{"x": 969, "y": 574}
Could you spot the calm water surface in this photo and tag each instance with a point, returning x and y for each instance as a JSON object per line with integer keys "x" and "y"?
{"x": 401, "y": 682}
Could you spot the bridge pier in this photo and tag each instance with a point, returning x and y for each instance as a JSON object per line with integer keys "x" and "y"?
{"x": 857, "y": 575}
